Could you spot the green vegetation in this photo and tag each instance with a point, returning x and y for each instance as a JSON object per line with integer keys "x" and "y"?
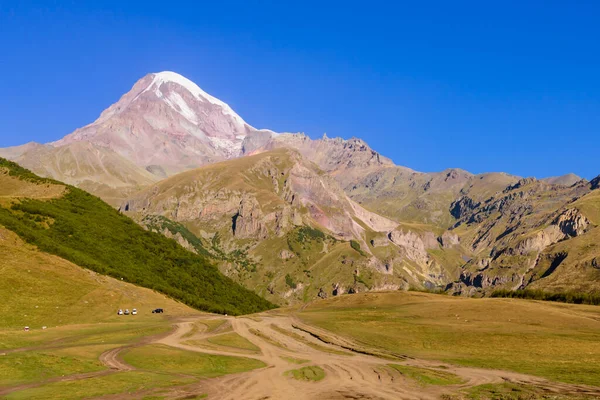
{"x": 567, "y": 297}
{"x": 233, "y": 340}
{"x": 307, "y": 243}
{"x": 50, "y": 291}
{"x": 552, "y": 340}
{"x": 238, "y": 257}
{"x": 293, "y": 360}
{"x": 68, "y": 350}
{"x": 290, "y": 281}
{"x": 15, "y": 170}
{"x": 93, "y": 387}
{"x": 510, "y": 391}
{"x": 306, "y": 233}
{"x": 91, "y": 234}
{"x": 158, "y": 223}
{"x": 427, "y": 376}
{"x": 356, "y": 246}
{"x": 35, "y": 366}
{"x": 312, "y": 373}
{"x": 164, "y": 359}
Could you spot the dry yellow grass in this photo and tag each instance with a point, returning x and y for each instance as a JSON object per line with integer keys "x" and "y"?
{"x": 39, "y": 289}
{"x": 556, "y": 341}
{"x": 13, "y": 187}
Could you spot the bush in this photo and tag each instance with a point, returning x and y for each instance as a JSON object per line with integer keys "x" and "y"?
{"x": 564, "y": 297}
{"x": 290, "y": 281}
{"x": 356, "y": 246}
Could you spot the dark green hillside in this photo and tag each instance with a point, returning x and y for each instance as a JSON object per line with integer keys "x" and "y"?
{"x": 83, "y": 229}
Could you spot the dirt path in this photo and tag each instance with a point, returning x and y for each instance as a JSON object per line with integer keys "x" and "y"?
{"x": 349, "y": 375}
{"x": 352, "y": 371}
{"x": 109, "y": 358}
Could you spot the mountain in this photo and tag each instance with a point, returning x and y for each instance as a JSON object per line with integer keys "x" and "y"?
{"x": 564, "y": 180}
{"x": 280, "y": 225}
{"x": 69, "y": 223}
{"x": 165, "y": 124}
{"x": 183, "y": 163}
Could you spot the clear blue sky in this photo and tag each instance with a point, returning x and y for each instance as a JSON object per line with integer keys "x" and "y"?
{"x": 486, "y": 86}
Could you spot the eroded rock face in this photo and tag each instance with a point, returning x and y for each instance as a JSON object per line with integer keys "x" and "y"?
{"x": 249, "y": 221}
{"x": 385, "y": 267}
{"x": 462, "y": 206}
{"x": 415, "y": 245}
{"x": 595, "y": 183}
{"x": 570, "y": 223}
{"x": 337, "y": 289}
{"x": 380, "y": 241}
{"x": 486, "y": 280}
{"x": 286, "y": 255}
{"x": 449, "y": 240}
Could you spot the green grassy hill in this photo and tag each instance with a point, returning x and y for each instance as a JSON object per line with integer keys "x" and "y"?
{"x": 81, "y": 228}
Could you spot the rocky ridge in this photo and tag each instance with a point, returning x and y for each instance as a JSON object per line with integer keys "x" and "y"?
{"x": 258, "y": 195}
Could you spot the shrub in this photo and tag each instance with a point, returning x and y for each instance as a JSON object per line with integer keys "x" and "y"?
{"x": 356, "y": 246}
{"x": 564, "y": 297}
{"x": 290, "y": 281}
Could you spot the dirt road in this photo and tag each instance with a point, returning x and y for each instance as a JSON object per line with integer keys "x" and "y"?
{"x": 349, "y": 374}
{"x": 351, "y": 370}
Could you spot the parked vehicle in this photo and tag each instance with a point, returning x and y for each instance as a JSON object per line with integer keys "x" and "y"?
{"x": 120, "y": 312}
{"x": 158, "y": 311}
{"x": 134, "y": 311}
{"x": 126, "y": 311}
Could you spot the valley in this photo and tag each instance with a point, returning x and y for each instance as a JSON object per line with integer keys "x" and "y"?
{"x": 287, "y": 267}
{"x": 328, "y": 349}
{"x": 184, "y": 164}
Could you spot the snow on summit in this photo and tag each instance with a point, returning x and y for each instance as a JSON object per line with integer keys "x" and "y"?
{"x": 195, "y": 90}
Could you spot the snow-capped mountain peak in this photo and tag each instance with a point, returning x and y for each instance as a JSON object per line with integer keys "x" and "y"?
{"x": 168, "y": 120}
{"x": 176, "y": 100}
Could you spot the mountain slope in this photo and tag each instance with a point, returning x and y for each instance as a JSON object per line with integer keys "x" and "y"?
{"x": 281, "y": 226}
{"x": 524, "y": 235}
{"x": 96, "y": 169}
{"x": 40, "y": 289}
{"x": 82, "y": 229}
{"x": 284, "y": 228}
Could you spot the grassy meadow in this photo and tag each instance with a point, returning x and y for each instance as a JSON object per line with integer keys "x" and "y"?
{"x": 556, "y": 341}
{"x": 165, "y": 359}
{"x": 311, "y": 373}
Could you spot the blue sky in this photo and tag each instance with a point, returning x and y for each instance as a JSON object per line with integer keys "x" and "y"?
{"x": 504, "y": 86}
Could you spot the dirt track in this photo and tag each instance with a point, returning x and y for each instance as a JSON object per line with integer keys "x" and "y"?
{"x": 348, "y": 376}
{"x": 351, "y": 373}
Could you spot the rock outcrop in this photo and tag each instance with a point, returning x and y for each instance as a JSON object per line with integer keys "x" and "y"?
{"x": 415, "y": 245}
{"x": 449, "y": 240}
{"x": 570, "y": 223}
{"x": 595, "y": 183}
{"x": 248, "y": 222}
